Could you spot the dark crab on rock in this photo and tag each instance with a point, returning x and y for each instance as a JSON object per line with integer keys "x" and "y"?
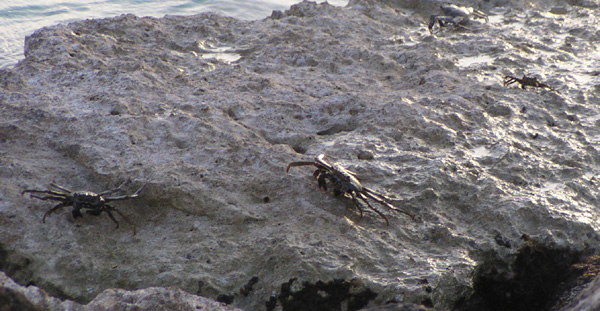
{"x": 454, "y": 15}
{"x": 95, "y": 203}
{"x": 341, "y": 181}
{"x": 527, "y": 81}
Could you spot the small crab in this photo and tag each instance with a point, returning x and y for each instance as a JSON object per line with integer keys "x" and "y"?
{"x": 456, "y": 16}
{"x": 96, "y": 203}
{"x": 527, "y": 81}
{"x": 341, "y": 181}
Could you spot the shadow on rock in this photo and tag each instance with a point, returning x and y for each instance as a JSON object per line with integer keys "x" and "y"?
{"x": 531, "y": 282}
{"x": 12, "y": 300}
{"x": 322, "y": 296}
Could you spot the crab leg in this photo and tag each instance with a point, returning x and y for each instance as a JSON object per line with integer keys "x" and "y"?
{"x": 357, "y": 204}
{"x": 111, "y": 191}
{"x": 60, "y": 187}
{"x": 301, "y": 163}
{"x": 110, "y": 215}
{"x": 54, "y": 193}
{"x": 508, "y": 80}
{"x": 480, "y": 14}
{"x": 462, "y": 26}
{"x": 52, "y": 210}
{"x": 364, "y": 198}
{"x": 543, "y": 85}
{"x": 122, "y": 216}
{"x": 384, "y": 201}
{"x": 125, "y": 197}
{"x": 321, "y": 180}
{"x": 53, "y": 198}
{"x": 376, "y": 195}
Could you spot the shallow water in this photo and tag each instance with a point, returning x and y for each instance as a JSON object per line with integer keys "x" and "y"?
{"x": 21, "y": 18}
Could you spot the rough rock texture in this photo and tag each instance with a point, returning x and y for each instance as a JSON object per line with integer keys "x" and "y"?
{"x": 207, "y": 111}
{"x": 16, "y": 297}
{"x": 587, "y": 299}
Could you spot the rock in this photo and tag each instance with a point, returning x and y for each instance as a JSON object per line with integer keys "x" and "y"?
{"x": 588, "y": 299}
{"x": 208, "y": 111}
{"x": 581, "y": 291}
{"x": 16, "y": 297}
{"x": 153, "y": 298}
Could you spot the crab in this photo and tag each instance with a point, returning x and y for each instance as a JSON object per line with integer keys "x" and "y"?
{"x": 456, "y": 16}
{"x": 527, "y": 81}
{"x": 341, "y": 181}
{"x": 95, "y": 203}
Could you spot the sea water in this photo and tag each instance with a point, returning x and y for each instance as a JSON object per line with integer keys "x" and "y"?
{"x": 20, "y": 18}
